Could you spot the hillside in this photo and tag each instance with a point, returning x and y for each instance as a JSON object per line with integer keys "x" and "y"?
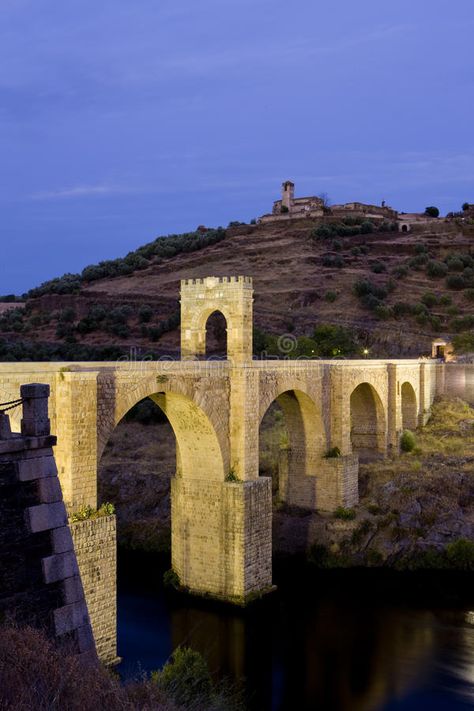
{"x": 395, "y": 290}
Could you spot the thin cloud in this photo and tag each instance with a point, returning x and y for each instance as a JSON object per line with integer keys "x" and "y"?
{"x": 79, "y": 191}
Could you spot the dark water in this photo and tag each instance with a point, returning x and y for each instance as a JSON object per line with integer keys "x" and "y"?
{"x": 343, "y": 641}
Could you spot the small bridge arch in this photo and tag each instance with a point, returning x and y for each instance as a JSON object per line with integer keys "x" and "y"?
{"x": 368, "y": 420}
{"x": 300, "y": 462}
{"x": 409, "y": 406}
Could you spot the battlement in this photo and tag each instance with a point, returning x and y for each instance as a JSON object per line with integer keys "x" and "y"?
{"x": 212, "y": 281}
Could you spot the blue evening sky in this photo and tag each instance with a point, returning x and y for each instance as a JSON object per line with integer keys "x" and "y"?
{"x": 121, "y": 120}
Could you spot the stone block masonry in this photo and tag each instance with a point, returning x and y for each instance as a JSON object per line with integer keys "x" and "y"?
{"x": 95, "y": 547}
{"x": 40, "y": 583}
{"x": 222, "y": 537}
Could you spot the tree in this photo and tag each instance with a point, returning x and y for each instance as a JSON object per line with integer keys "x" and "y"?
{"x": 465, "y": 206}
{"x": 333, "y": 341}
{"x": 325, "y": 202}
{"x": 432, "y": 211}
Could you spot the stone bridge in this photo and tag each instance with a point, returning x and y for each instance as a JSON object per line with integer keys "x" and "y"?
{"x": 221, "y": 508}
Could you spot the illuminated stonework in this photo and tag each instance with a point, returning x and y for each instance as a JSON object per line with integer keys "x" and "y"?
{"x": 221, "y": 509}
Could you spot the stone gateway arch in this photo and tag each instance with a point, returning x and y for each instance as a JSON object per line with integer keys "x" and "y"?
{"x": 221, "y": 509}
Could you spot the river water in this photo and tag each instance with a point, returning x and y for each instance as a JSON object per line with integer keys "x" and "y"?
{"x": 342, "y": 641}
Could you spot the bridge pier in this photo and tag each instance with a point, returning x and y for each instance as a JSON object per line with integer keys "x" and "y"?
{"x": 222, "y": 537}
{"x": 332, "y": 482}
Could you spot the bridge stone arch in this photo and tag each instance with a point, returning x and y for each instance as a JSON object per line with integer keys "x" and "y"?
{"x": 197, "y": 414}
{"x": 231, "y": 296}
{"x": 409, "y": 406}
{"x": 368, "y": 420}
{"x": 300, "y": 461}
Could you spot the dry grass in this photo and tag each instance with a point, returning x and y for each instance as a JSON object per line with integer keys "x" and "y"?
{"x": 446, "y": 441}
{"x": 35, "y": 675}
{"x": 38, "y": 675}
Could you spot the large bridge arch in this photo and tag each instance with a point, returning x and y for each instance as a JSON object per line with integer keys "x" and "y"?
{"x": 200, "y": 454}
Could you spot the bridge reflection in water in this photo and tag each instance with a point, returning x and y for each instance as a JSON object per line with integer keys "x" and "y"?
{"x": 322, "y": 644}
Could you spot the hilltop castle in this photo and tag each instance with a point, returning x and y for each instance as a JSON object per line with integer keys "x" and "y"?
{"x": 290, "y": 207}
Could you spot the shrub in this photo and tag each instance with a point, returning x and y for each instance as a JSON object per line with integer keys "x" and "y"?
{"x": 465, "y": 206}
{"x": 333, "y": 453}
{"x": 64, "y": 330}
{"x": 67, "y": 315}
{"x": 407, "y": 441}
{"x": 455, "y": 281}
{"x": 121, "y": 330}
{"x": 344, "y": 513}
{"x": 171, "y": 579}
{"x": 468, "y": 276}
{"x": 322, "y": 232}
{"x": 383, "y": 312}
{"x": 337, "y": 245}
{"x": 460, "y": 554}
{"x": 330, "y": 296}
{"x": 429, "y": 299}
{"x": 402, "y": 308}
{"x": 364, "y": 287}
{"x": 322, "y": 557}
{"x": 463, "y": 323}
{"x": 185, "y": 678}
{"x": 455, "y": 264}
{"x": 420, "y": 248}
{"x": 86, "y": 512}
{"x": 446, "y": 300}
{"x": 361, "y": 531}
{"x": 355, "y": 251}
{"x": 231, "y": 476}
{"x": 418, "y": 262}
{"x": 378, "y": 267}
{"x": 332, "y": 260}
{"x": 421, "y": 318}
{"x": 464, "y": 342}
{"x": 432, "y": 211}
{"x": 374, "y": 509}
{"x": 145, "y": 313}
{"x": 400, "y": 272}
{"x": 436, "y": 269}
{"x": 366, "y": 227}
